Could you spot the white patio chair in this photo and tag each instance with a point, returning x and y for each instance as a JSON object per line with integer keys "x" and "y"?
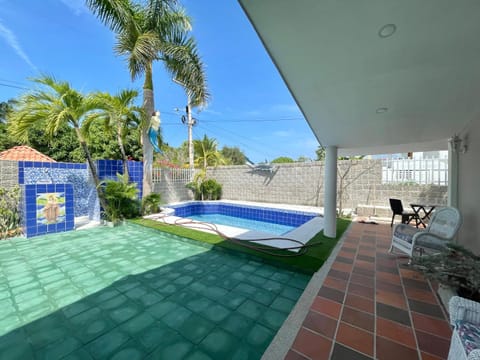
{"x": 465, "y": 318}
{"x": 442, "y": 229}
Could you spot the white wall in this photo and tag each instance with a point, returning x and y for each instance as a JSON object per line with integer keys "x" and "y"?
{"x": 469, "y": 188}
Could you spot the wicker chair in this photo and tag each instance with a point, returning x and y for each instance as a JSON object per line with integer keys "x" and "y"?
{"x": 465, "y": 318}
{"x": 442, "y": 228}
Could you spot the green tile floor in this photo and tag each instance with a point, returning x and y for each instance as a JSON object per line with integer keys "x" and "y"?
{"x": 135, "y": 293}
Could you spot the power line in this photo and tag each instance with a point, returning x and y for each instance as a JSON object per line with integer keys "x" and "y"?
{"x": 13, "y": 81}
{"x": 293, "y": 118}
{"x": 251, "y": 120}
{"x": 255, "y": 147}
{"x": 13, "y": 86}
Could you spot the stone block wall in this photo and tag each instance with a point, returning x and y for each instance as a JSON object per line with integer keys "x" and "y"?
{"x": 8, "y": 173}
{"x": 299, "y": 183}
{"x": 359, "y": 183}
{"x": 170, "y": 190}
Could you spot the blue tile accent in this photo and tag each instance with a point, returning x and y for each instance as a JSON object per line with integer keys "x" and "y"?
{"x": 276, "y": 216}
{"x": 33, "y": 213}
{"x": 75, "y": 174}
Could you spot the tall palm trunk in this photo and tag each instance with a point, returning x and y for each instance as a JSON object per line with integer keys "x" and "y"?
{"x": 149, "y": 108}
{"x": 93, "y": 170}
{"x": 122, "y": 151}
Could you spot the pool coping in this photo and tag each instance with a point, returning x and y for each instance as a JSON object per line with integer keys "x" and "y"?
{"x": 301, "y": 234}
{"x": 283, "y": 340}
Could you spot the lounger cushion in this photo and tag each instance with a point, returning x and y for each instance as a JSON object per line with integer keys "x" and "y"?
{"x": 469, "y": 334}
{"x": 405, "y": 233}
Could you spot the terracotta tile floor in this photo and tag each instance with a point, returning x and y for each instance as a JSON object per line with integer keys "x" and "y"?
{"x": 372, "y": 306}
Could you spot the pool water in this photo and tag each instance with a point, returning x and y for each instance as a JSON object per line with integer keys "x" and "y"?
{"x": 136, "y": 293}
{"x": 263, "y": 226}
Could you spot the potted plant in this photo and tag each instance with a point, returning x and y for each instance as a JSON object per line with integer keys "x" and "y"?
{"x": 455, "y": 267}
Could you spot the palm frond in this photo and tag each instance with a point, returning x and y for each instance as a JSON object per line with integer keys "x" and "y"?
{"x": 185, "y": 64}
{"x": 139, "y": 49}
{"x": 116, "y": 14}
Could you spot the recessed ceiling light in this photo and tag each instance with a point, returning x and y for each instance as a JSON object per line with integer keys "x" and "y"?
{"x": 387, "y": 30}
{"x": 381, "y": 110}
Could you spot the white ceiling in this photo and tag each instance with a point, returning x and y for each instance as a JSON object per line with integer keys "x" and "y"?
{"x": 340, "y": 71}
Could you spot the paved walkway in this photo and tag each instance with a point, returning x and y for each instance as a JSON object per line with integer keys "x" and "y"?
{"x": 372, "y": 306}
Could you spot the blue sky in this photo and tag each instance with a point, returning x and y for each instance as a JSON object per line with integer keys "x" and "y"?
{"x": 250, "y": 107}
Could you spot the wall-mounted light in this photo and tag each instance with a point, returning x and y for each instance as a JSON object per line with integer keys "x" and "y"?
{"x": 458, "y": 144}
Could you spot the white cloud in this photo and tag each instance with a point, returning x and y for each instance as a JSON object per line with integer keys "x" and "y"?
{"x": 77, "y": 6}
{"x": 12, "y": 41}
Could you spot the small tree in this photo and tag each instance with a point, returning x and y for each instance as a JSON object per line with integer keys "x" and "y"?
{"x": 206, "y": 153}
{"x": 233, "y": 155}
{"x": 344, "y": 169}
{"x": 55, "y": 104}
{"x": 119, "y": 115}
{"x": 9, "y": 214}
{"x": 283, "y": 160}
{"x": 320, "y": 152}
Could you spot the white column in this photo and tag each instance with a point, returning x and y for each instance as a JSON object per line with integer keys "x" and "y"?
{"x": 330, "y": 203}
{"x": 453, "y": 171}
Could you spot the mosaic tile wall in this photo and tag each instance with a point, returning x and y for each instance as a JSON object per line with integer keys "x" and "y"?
{"x": 108, "y": 169}
{"x": 85, "y": 195}
{"x": 38, "y": 176}
{"x": 48, "y": 208}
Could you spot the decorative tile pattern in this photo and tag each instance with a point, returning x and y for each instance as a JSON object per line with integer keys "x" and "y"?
{"x": 48, "y": 208}
{"x": 85, "y": 195}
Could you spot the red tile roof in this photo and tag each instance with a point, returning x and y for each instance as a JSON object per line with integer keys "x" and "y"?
{"x": 24, "y": 153}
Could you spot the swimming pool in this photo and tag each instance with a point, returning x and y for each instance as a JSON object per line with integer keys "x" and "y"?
{"x": 133, "y": 292}
{"x": 259, "y": 218}
{"x": 263, "y": 226}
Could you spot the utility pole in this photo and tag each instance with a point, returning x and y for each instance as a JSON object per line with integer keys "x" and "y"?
{"x": 190, "y": 122}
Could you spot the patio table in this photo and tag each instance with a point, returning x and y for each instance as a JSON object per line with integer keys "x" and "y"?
{"x": 422, "y": 213}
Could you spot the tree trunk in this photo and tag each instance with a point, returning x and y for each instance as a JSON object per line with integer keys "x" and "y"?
{"x": 149, "y": 108}
{"x": 93, "y": 170}
{"x": 122, "y": 151}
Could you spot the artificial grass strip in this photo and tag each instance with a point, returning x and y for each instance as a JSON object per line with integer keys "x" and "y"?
{"x": 308, "y": 263}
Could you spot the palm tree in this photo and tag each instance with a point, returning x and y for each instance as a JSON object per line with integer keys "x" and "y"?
{"x": 147, "y": 32}
{"x": 55, "y": 104}
{"x": 118, "y": 115}
{"x": 206, "y": 153}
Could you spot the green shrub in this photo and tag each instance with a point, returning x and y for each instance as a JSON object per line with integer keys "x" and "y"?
{"x": 151, "y": 203}
{"x": 121, "y": 197}
{"x": 205, "y": 189}
{"x": 9, "y": 214}
{"x": 195, "y": 187}
{"x": 211, "y": 189}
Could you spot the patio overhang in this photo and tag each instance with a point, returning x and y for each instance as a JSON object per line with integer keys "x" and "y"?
{"x": 387, "y": 76}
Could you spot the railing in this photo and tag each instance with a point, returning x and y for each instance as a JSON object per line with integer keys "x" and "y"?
{"x": 172, "y": 175}
{"x": 422, "y": 172}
